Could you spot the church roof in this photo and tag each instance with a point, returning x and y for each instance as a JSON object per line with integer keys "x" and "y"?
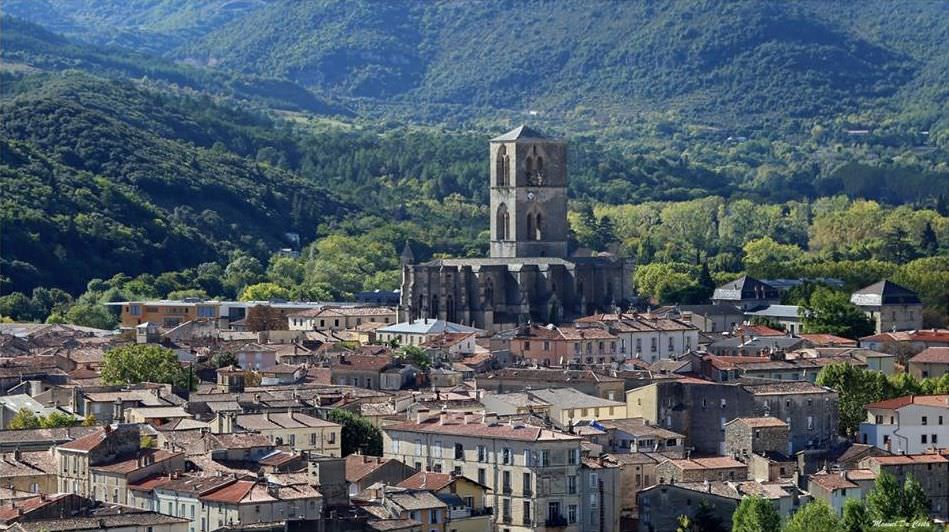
{"x": 519, "y": 133}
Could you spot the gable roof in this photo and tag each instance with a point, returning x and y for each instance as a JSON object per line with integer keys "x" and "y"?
{"x": 900, "y": 402}
{"x": 884, "y": 292}
{"x": 932, "y": 355}
{"x": 358, "y": 466}
{"x": 521, "y": 132}
{"x": 424, "y": 480}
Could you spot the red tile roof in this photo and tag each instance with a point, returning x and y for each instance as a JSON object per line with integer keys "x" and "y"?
{"x": 829, "y": 340}
{"x": 358, "y": 466}
{"x": 906, "y": 400}
{"x": 133, "y": 464}
{"x": 362, "y": 362}
{"x": 232, "y": 493}
{"x": 905, "y": 459}
{"x": 427, "y": 481}
{"x": 455, "y": 424}
{"x": 759, "y": 330}
{"x": 87, "y": 442}
{"x": 762, "y": 421}
{"x": 18, "y": 508}
{"x": 932, "y": 355}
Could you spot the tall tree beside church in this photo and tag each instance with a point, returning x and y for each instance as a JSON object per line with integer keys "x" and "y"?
{"x": 929, "y": 242}
{"x": 829, "y": 311}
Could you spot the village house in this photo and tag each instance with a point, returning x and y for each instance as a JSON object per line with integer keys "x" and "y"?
{"x": 906, "y": 343}
{"x": 836, "y": 487}
{"x": 339, "y": 318}
{"x": 911, "y": 424}
{"x": 293, "y": 429}
{"x": 890, "y": 306}
{"x": 568, "y": 406}
{"x": 707, "y": 318}
{"x": 633, "y": 435}
{"x": 533, "y": 473}
{"x": 746, "y": 293}
{"x": 363, "y": 371}
{"x": 701, "y": 469}
{"x": 930, "y": 362}
{"x": 647, "y": 337}
{"x": 585, "y": 381}
{"x": 247, "y": 502}
{"x": 421, "y": 330}
{"x": 931, "y": 470}
{"x": 363, "y": 471}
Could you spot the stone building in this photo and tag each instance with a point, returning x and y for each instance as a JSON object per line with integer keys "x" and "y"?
{"x": 529, "y": 276}
{"x": 890, "y": 306}
{"x": 745, "y": 436}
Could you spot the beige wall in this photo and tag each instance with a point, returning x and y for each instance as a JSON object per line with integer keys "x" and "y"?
{"x": 643, "y": 402}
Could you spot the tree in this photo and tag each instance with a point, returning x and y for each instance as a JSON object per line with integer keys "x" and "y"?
{"x": 928, "y": 241}
{"x": 89, "y": 420}
{"x": 58, "y": 419}
{"x": 660, "y": 280}
{"x": 883, "y": 501}
{"x": 264, "y": 292}
{"x": 856, "y": 518}
{"x": 224, "y": 359}
{"x": 132, "y": 364}
{"x": 756, "y": 514}
{"x": 17, "y": 306}
{"x": 763, "y": 256}
{"x": 416, "y": 356}
{"x": 855, "y": 388}
{"x": 358, "y": 433}
{"x": 91, "y": 315}
{"x": 914, "y": 504}
{"x": 704, "y": 520}
{"x": 187, "y": 293}
{"x": 24, "y": 419}
{"x": 242, "y": 271}
{"x": 815, "y": 516}
{"x": 829, "y": 311}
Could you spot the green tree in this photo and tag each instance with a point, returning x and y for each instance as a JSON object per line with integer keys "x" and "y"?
{"x": 764, "y": 257}
{"x": 91, "y": 315}
{"x": 58, "y": 419}
{"x": 224, "y": 359}
{"x": 659, "y": 280}
{"x": 132, "y": 364}
{"x": 855, "y": 516}
{"x": 17, "y": 306}
{"x": 883, "y": 501}
{"x": 187, "y": 293}
{"x": 914, "y": 504}
{"x": 242, "y": 271}
{"x": 264, "y": 292}
{"x": 855, "y": 388}
{"x": 928, "y": 241}
{"x": 89, "y": 420}
{"x": 358, "y": 434}
{"x": 24, "y": 419}
{"x": 416, "y": 356}
{"x": 829, "y": 311}
{"x": 756, "y": 514}
{"x": 815, "y": 516}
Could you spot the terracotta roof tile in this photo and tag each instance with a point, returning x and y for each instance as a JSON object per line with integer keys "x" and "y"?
{"x": 427, "y": 481}
{"x": 906, "y": 400}
{"x": 358, "y": 466}
{"x": 932, "y": 355}
{"x": 232, "y": 493}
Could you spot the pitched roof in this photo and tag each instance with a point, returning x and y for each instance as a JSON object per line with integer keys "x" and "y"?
{"x": 232, "y": 493}
{"x": 282, "y": 420}
{"x": 521, "y": 132}
{"x": 427, "y": 326}
{"x": 932, "y": 355}
{"x": 424, "y": 480}
{"x": 900, "y": 402}
{"x": 87, "y": 442}
{"x": 744, "y": 287}
{"x": 571, "y": 398}
{"x": 884, "y": 292}
{"x": 759, "y": 422}
{"x": 455, "y": 424}
{"x": 358, "y": 466}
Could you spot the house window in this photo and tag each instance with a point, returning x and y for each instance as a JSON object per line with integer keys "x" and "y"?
{"x": 482, "y": 454}
{"x": 293, "y": 439}
{"x": 671, "y": 345}
{"x": 527, "y": 512}
{"x": 546, "y": 345}
{"x": 312, "y": 439}
{"x": 572, "y": 456}
{"x": 527, "y": 346}
{"x": 925, "y": 420}
{"x": 418, "y": 447}
{"x": 459, "y": 451}
{"x": 506, "y": 456}
{"x": 593, "y": 479}
{"x": 506, "y": 481}
{"x": 527, "y": 484}
{"x": 571, "y": 485}
{"x": 545, "y": 458}
{"x": 724, "y": 403}
{"x": 922, "y": 438}
{"x": 482, "y": 475}
{"x": 332, "y": 439}
{"x": 395, "y": 446}
{"x": 433, "y": 516}
{"x": 810, "y": 423}
{"x": 437, "y": 449}
{"x": 572, "y": 514}
{"x": 652, "y": 345}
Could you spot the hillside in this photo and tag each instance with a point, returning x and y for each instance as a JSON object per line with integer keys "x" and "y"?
{"x": 756, "y": 65}
{"x": 101, "y": 177}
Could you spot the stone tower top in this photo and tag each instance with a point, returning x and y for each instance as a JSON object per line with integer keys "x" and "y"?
{"x": 528, "y": 195}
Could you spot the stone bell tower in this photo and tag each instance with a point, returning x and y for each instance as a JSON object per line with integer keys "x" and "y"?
{"x": 528, "y": 195}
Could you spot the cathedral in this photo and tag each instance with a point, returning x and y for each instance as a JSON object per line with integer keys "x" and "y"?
{"x": 529, "y": 277}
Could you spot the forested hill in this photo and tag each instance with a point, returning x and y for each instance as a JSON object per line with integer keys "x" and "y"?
{"x": 731, "y": 63}
{"x": 102, "y": 176}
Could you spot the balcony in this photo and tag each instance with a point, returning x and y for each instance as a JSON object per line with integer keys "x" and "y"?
{"x": 507, "y": 490}
{"x": 528, "y": 492}
{"x": 555, "y": 521}
{"x": 506, "y": 519}
{"x": 527, "y": 521}
{"x": 478, "y": 512}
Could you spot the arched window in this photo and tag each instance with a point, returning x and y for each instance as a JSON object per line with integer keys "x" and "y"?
{"x": 501, "y": 171}
{"x": 530, "y": 226}
{"x": 502, "y": 221}
{"x": 489, "y": 292}
{"x": 530, "y": 169}
{"x": 538, "y": 227}
{"x": 450, "y": 308}
{"x": 433, "y": 312}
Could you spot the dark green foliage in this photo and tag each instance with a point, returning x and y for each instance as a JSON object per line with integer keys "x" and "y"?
{"x": 358, "y": 433}
{"x": 884, "y": 500}
{"x": 856, "y": 518}
{"x": 416, "y": 356}
{"x": 831, "y": 312}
